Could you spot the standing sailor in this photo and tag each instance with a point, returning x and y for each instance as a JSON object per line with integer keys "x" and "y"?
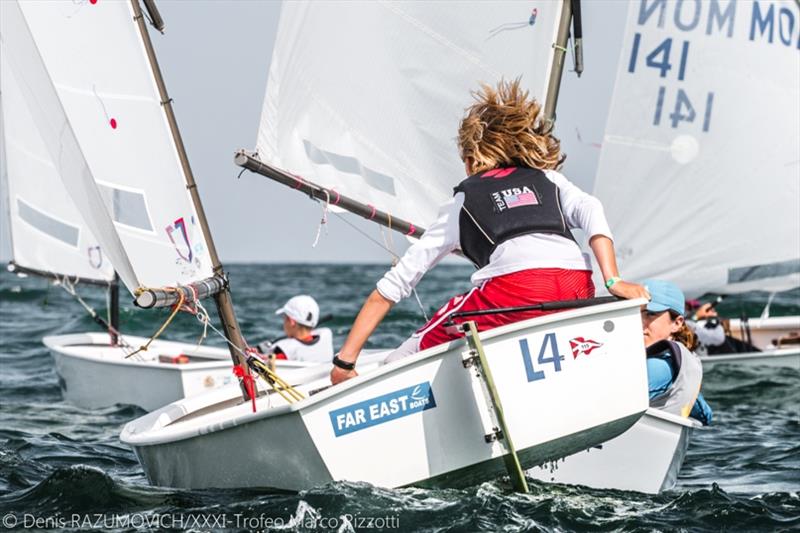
{"x": 512, "y": 218}
{"x": 302, "y": 341}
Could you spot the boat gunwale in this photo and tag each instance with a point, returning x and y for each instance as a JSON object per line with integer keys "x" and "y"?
{"x": 675, "y": 419}
{"x": 762, "y": 356}
{"x": 60, "y": 343}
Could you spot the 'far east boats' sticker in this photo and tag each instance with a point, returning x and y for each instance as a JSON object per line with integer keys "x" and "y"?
{"x": 382, "y": 409}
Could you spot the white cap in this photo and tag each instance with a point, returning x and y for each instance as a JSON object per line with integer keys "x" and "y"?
{"x": 303, "y": 309}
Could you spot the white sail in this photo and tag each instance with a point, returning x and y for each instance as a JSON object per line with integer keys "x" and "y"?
{"x": 42, "y": 102}
{"x": 93, "y": 54}
{"x": 701, "y": 155}
{"x": 47, "y": 231}
{"x": 383, "y": 132}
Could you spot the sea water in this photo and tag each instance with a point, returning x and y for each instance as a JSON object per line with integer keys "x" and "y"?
{"x": 64, "y": 468}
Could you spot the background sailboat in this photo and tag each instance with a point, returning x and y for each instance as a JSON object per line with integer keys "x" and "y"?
{"x": 48, "y": 235}
{"x": 685, "y": 157}
{"x": 102, "y": 122}
{"x": 700, "y": 158}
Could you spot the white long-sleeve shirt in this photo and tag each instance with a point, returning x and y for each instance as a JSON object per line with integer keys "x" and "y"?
{"x": 534, "y": 250}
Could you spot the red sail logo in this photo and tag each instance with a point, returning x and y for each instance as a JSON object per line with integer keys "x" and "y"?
{"x": 581, "y": 346}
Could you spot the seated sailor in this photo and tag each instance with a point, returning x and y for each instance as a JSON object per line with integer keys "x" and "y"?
{"x": 302, "y": 342}
{"x": 713, "y": 333}
{"x": 512, "y": 218}
{"x": 674, "y": 373}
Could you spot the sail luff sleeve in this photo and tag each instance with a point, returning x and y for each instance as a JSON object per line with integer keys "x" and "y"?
{"x": 409, "y": 229}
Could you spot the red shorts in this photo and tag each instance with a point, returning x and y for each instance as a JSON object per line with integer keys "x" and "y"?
{"x": 526, "y": 287}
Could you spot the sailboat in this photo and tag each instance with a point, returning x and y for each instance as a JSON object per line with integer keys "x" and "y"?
{"x": 682, "y": 151}
{"x": 98, "y": 177}
{"x": 700, "y": 158}
{"x": 461, "y": 412}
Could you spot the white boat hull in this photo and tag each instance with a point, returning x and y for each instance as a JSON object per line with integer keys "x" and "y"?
{"x": 646, "y": 458}
{"x": 92, "y": 374}
{"x": 423, "y": 420}
{"x": 787, "y": 357}
{"x": 765, "y": 332}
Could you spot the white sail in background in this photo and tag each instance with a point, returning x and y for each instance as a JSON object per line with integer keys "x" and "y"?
{"x": 94, "y": 56}
{"x": 42, "y": 102}
{"x": 700, "y": 166}
{"x": 47, "y": 231}
{"x": 366, "y": 97}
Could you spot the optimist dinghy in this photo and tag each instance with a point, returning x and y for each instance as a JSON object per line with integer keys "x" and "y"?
{"x": 778, "y": 338}
{"x": 431, "y": 413}
{"x": 681, "y": 165}
{"x": 646, "y": 458}
{"x": 686, "y": 208}
{"x": 94, "y": 374}
{"x": 98, "y": 175}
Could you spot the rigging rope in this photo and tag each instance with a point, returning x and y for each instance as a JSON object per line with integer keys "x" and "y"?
{"x": 384, "y": 246}
{"x": 69, "y": 286}
{"x": 278, "y": 384}
{"x": 324, "y": 220}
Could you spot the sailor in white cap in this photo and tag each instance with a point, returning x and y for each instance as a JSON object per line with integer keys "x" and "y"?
{"x": 302, "y": 342}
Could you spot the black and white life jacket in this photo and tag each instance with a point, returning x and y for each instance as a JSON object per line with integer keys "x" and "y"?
{"x": 687, "y": 372}
{"x": 504, "y": 203}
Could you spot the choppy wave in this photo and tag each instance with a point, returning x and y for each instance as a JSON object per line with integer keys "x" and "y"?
{"x": 743, "y": 473}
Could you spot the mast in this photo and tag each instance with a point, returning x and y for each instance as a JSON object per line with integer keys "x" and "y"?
{"x": 559, "y": 55}
{"x": 113, "y": 304}
{"x": 222, "y": 299}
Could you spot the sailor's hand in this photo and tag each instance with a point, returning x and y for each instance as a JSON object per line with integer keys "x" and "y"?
{"x": 339, "y": 375}
{"x": 628, "y": 290}
{"x": 705, "y": 311}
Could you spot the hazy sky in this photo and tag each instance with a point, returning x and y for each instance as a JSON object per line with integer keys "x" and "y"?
{"x": 215, "y": 55}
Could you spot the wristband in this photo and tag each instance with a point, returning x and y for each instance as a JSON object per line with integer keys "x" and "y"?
{"x": 611, "y": 281}
{"x": 344, "y": 365}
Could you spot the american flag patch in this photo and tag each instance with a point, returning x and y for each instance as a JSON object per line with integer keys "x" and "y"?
{"x": 522, "y": 199}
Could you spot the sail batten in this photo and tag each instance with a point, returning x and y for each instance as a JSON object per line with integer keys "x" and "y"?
{"x": 382, "y": 132}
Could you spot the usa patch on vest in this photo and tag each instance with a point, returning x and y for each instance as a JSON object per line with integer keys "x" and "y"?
{"x": 514, "y": 197}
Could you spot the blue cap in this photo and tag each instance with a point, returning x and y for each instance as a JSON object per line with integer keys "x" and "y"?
{"x": 664, "y": 295}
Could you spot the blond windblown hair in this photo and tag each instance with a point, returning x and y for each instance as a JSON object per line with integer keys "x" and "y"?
{"x": 504, "y": 128}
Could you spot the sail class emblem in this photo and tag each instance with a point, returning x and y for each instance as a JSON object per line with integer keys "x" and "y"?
{"x": 582, "y": 346}
{"x": 179, "y": 224}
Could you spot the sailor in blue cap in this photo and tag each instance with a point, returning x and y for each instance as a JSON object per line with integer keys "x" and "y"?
{"x": 674, "y": 372}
